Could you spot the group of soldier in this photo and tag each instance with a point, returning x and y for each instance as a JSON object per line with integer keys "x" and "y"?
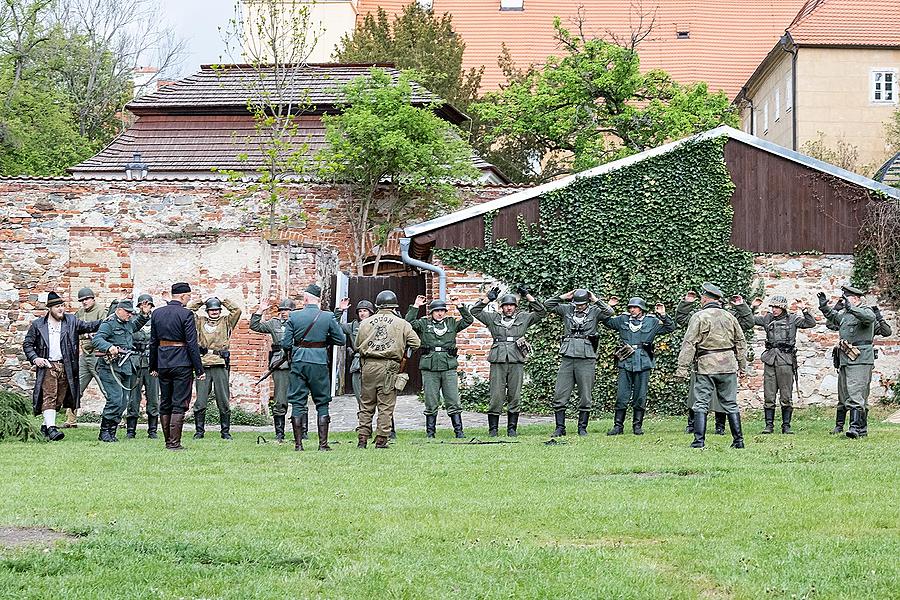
{"x": 176, "y": 349}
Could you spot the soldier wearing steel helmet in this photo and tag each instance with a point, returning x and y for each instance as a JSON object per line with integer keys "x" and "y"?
{"x": 780, "y": 357}
{"x": 90, "y": 310}
{"x": 635, "y": 356}
{"x": 508, "y": 352}
{"x": 143, "y": 381}
{"x": 581, "y": 315}
{"x": 382, "y": 341}
{"x": 214, "y": 334}
{"x": 274, "y": 327}
{"x": 438, "y": 364}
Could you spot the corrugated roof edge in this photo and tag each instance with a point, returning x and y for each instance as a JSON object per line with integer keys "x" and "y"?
{"x": 724, "y": 130}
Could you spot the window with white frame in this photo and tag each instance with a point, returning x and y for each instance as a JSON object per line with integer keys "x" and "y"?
{"x": 766, "y": 117}
{"x": 512, "y": 4}
{"x": 424, "y": 4}
{"x": 777, "y": 103}
{"x": 788, "y": 94}
{"x": 883, "y": 86}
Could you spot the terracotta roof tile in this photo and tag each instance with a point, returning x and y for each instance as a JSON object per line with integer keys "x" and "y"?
{"x": 727, "y": 39}
{"x": 847, "y": 23}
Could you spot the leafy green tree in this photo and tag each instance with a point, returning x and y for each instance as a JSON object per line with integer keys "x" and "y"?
{"x": 588, "y": 107}
{"x": 398, "y": 160}
{"x": 420, "y": 41}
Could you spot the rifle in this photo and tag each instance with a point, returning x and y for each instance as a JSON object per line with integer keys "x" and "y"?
{"x": 284, "y": 358}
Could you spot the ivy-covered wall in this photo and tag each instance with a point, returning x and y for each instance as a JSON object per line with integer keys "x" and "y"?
{"x": 655, "y": 229}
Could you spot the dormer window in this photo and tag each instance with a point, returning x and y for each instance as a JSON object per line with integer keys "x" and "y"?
{"x": 425, "y": 4}
{"x": 683, "y": 35}
{"x": 512, "y": 4}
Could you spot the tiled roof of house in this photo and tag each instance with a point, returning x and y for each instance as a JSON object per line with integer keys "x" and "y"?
{"x": 847, "y": 23}
{"x": 726, "y": 39}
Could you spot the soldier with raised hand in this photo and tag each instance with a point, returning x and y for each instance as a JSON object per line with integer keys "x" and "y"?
{"x": 143, "y": 380}
{"x": 381, "y": 342}
{"x": 90, "y": 310}
{"x": 637, "y": 331}
{"x": 715, "y": 346}
{"x": 581, "y": 315}
{"x": 438, "y": 364}
{"x": 280, "y": 376}
{"x": 856, "y": 354}
{"x": 214, "y": 335}
{"x": 114, "y": 341}
{"x": 780, "y": 357}
{"x": 508, "y": 352}
{"x": 307, "y": 335}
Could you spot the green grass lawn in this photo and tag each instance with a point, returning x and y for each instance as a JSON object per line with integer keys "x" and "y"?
{"x": 802, "y": 516}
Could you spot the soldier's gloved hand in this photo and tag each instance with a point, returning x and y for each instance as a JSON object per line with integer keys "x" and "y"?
{"x": 823, "y": 299}
{"x": 492, "y": 295}
{"x": 522, "y": 290}
{"x": 840, "y": 305}
{"x": 877, "y": 312}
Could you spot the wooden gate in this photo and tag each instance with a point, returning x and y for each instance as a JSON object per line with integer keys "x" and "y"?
{"x": 366, "y": 288}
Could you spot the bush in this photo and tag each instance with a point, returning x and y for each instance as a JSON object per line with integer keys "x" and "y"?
{"x": 16, "y": 420}
{"x": 475, "y": 396}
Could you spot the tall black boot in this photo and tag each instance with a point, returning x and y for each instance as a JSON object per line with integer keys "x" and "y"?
{"x": 699, "y": 430}
{"x": 430, "y": 425}
{"x": 839, "y": 419}
{"x": 690, "y": 422}
{"x": 456, "y": 420}
{"x": 107, "y": 431}
{"x": 322, "y": 423}
{"x": 618, "y": 427}
{"x": 856, "y": 423}
{"x": 279, "y": 428}
{"x": 304, "y": 426}
{"x": 493, "y": 425}
{"x": 786, "y": 413}
{"x": 130, "y": 427}
{"x": 297, "y": 427}
{"x": 720, "y": 423}
{"x": 560, "y": 423}
{"x": 865, "y": 423}
{"x": 769, "y": 417}
{"x": 583, "y": 418}
{"x": 225, "y": 425}
{"x": 734, "y": 423}
{"x": 199, "y": 424}
{"x": 512, "y": 423}
{"x": 637, "y": 422}
{"x": 152, "y": 424}
{"x": 393, "y": 434}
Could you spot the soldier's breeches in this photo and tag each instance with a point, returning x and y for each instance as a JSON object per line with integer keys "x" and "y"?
{"x": 721, "y": 387}
{"x": 217, "y": 382}
{"x": 632, "y": 389}
{"x": 572, "y": 372}
{"x": 377, "y": 393}
{"x": 506, "y": 387}
{"x": 856, "y": 382}
{"x": 356, "y": 382}
{"x": 309, "y": 379}
{"x": 175, "y": 386}
{"x": 281, "y": 379}
{"x": 150, "y": 385}
{"x": 116, "y": 395}
{"x": 438, "y": 384}
{"x": 778, "y": 381}
{"x": 87, "y": 370}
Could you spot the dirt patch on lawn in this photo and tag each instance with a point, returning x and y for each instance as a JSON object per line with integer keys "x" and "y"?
{"x": 17, "y": 537}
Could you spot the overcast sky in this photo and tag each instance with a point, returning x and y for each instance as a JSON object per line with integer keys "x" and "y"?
{"x": 197, "y": 21}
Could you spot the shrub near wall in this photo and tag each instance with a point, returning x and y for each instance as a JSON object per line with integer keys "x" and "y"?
{"x": 655, "y": 229}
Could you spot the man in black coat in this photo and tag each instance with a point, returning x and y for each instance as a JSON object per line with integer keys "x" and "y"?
{"x": 51, "y": 345}
{"x": 175, "y": 359}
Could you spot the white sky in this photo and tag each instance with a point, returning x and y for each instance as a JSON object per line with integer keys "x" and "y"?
{"x": 197, "y": 21}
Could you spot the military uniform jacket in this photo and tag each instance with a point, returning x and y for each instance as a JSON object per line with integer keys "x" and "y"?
{"x": 578, "y": 328}
{"x": 506, "y": 331}
{"x": 638, "y": 334}
{"x": 857, "y": 326}
{"x": 115, "y": 332}
{"x": 742, "y": 312}
{"x": 97, "y": 313}
{"x": 215, "y": 335}
{"x": 385, "y": 335}
{"x": 174, "y": 323}
{"x": 715, "y": 341}
{"x": 275, "y": 328}
{"x": 350, "y": 330}
{"x": 326, "y": 330}
{"x": 781, "y": 335}
{"x": 141, "y": 339}
{"x": 438, "y": 339}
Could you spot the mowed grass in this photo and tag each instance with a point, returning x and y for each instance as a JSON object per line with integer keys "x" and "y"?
{"x": 802, "y": 516}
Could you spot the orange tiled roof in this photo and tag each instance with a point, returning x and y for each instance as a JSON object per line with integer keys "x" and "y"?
{"x": 727, "y": 39}
{"x": 847, "y": 23}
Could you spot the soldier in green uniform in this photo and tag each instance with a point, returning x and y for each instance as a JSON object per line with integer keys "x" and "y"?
{"x": 581, "y": 315}
{"x": 686, "y": 308}
{"x": 143, "y": 379}
{"x": 438, "y": 364}
{"x": 715, "y": 347}
{"x": 307, "y": 334}
{"x": 382, "y": 342}
{"x": 281, "y": 375}
{"x": 90, "y": 310}
{"x": 780, "y": 358}
{"x": 508, "y": 353}
{"x": 637, "y": 330}
{"x": 115, "y": 338}
{"x": 856, "y": 356}
{"x": 214, "y": 335}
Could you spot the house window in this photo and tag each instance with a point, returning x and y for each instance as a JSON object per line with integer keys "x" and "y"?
{"x": 682, "y": 35}
{"x": 766, "y": 117}
{"x": 788, "y": 94}
{"x": 883, "y": 87}
{"x": 424, "y": 4}
{"x": 512, "y": 4}
{"x": 777, "y": 104}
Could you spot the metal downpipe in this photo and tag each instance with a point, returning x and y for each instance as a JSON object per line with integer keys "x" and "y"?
{"x": 409, "y": 260}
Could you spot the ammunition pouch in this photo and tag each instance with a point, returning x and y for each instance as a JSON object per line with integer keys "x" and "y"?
{"x": 836, "y": 357}
{"x": 224, "y": 355}
{"x": 623, "y": 352}
{"x": 523, "y": 346}
{"x": 851, "y": 351}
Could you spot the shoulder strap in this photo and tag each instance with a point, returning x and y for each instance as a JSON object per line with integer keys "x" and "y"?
{"x": 308, "y": 329}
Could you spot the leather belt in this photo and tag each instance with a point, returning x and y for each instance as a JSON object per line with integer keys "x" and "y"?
{"x": 439, "y": 349}
{"x": 506, "y": 339}
{"x": 171, "y": 343}
{"x": 310, "y": 345}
